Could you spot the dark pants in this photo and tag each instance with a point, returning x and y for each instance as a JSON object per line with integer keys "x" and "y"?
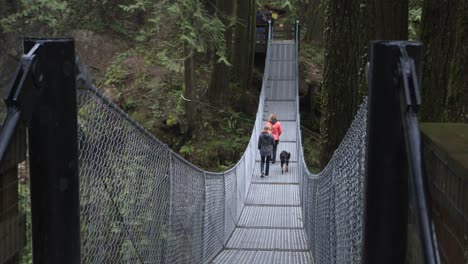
{"x": 262, "y": 164}
{"x": 275, "y": 146}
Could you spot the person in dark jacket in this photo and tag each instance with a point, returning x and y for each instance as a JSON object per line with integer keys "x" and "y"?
{"x": 276, "y": 131}
{"x": 265, "y": 145}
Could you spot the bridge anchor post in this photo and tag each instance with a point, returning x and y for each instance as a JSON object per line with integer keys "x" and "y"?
{"x": 386, "y": 183}
{"x": 53, "y": 152}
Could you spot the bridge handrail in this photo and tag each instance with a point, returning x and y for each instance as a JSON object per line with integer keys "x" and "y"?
{"x": 336, "y": 206}
{"x": 234, "y": 181}
{"x": 141, "y": 201}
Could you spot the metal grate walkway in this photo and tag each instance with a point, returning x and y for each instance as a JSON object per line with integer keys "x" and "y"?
{"x": 270, "y": 228}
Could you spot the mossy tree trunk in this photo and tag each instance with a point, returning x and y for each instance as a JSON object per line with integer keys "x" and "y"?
{"x": 244, "y": 48}
{"x": 444, "y": 34}
{"x": 380, "y": 20}
{"x": 340, "y": 78}
{"x": 221, "y": 72}
{"x": 349, "y": 26}
{"x": 391, "y": 19}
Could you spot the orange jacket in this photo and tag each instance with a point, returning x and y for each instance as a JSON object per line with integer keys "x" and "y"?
{"x": 276, "y": 129}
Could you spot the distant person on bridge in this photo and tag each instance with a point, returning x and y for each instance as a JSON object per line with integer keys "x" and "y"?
{"x": 265, "y": 145}
{"x": 276, "y": 131}
{"x": 259, "y": 17}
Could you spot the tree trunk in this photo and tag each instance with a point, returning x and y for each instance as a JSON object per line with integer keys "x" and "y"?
{"x": 391, "y": 19}
{"x": 456, "y": 109}
{"x": 367, "y": 33}
{"x": 340, "y": 77}
{"x": 243, "y": 48}
{"x": 221, "y": 72}
{"x": 350, "y": 25}
{"x": 380, "y": 20}
{"x": 443, "y": 33}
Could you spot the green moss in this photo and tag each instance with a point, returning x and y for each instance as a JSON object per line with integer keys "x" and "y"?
{"x": 172, "y": 120}
{"x": 450, "y": 141}
{"x": 453, "y": 137}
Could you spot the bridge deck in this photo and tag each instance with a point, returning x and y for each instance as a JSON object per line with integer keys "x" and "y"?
{"x": 270, "y": 229}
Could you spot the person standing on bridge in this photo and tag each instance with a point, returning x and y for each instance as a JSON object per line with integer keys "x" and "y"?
{"x": 265, "y": 145}
{"x": 276, "y": 131}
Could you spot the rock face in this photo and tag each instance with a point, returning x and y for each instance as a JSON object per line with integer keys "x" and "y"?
{"x": 95, "y": 50}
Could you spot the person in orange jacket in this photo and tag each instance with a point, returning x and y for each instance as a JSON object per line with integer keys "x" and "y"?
{"x": 276, "y": 131}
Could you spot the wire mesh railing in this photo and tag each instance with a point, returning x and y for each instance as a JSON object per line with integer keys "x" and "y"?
{"x": 355, "y": 210}
{"x": 333, "y": 199}
{"x": 143, "y": 203}
{"x": 140, "y": 202}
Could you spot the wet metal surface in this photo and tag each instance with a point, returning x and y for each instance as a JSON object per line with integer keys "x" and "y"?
{"x": 270, "y": 227}
{"x": 263, "y": 257}
{"x": 273, "y": 194}
{"x": 271, "y": 217}
{"x": 268, "y": 239}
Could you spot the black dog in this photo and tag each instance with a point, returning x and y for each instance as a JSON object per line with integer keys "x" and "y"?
{"x": 284, "y": 157}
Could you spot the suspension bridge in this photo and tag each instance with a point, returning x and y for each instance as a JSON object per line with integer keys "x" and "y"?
{"x": 140, "y": 202}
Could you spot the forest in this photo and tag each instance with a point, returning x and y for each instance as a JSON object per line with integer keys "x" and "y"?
{"x": 187, "y": 70}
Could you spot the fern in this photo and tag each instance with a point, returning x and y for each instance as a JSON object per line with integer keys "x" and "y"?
{"x": 139, "y": 5}
{"x": 195, "y": 29}
{"x": 49, "y": 13}
{"x": 414, "y": 20}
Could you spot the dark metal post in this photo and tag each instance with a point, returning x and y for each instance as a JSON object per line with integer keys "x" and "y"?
{"x": 386, "y": 183}
{"x": 53, "y": 152}
{"x": 270, "y": 31}
{"x": 297, "y": 29}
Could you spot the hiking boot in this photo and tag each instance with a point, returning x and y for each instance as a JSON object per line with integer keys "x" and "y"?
{"x": 263, "y": 175}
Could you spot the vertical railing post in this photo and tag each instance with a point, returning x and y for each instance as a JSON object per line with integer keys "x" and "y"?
{"x": 297, "y": 31}
{"x": 270, "y": 32}
{"x": 53, "y": 152}
{"x": 169, "y": 221}
{"x": 386, "y": 182}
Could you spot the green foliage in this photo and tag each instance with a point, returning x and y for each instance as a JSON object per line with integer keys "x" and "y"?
{"x": 219, "y": 143}
{"x": 138, "y": 5}
{"x": 24, "y": 201}
{"x": 288, "y": 5}
{"x": 186, "y": 150}
{"x": 196, "y": 32}
{"x": 414, "y": 22}
{"x": 173, "y": 120}
{"x": 115, "y": 74}
{"x": 313, "y": 52}
{"x": 231, "y": 125}
{"x": 167, "y": 60}
{"x": 105, "y": 16}
{"x": 311, "y": 145}
{"x": 48, "y": 14}
{"x": 58, "y": 16}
